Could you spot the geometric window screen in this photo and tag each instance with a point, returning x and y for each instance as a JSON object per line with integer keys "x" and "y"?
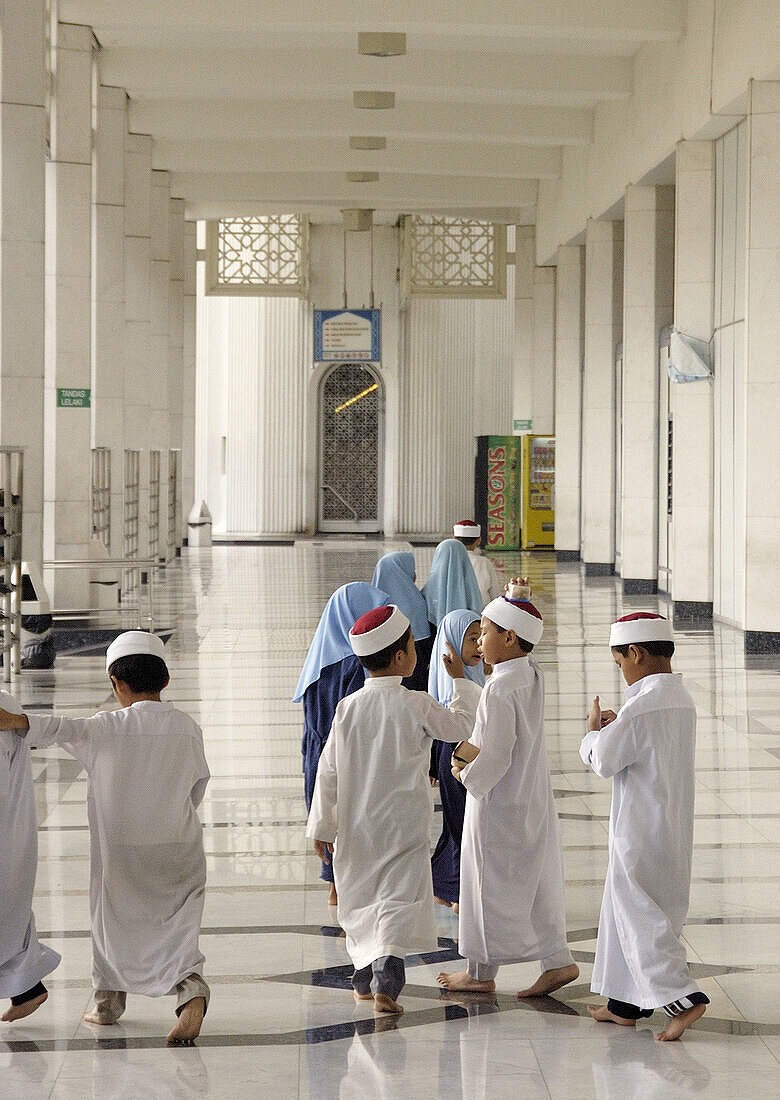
{"x": 261, "y": 256}
{"x": 453, "y": 258}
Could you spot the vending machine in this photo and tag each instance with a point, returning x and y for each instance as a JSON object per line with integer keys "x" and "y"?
{"x": 497, "y": 490}
{"x": 537, "y": 518}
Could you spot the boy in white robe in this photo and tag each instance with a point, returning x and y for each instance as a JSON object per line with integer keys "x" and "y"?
{"x": 469, "y": 533}
{"x": 146, "y": 776}
{"x": 24, "y": 961}
{"x": 648, "y": 750}
{"x": 372, "y": 808}
{"x": 512, "y": 906}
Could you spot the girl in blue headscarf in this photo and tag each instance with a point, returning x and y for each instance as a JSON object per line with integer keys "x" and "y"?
{"x": 452, "y": 585}
{"x": 330, "y": 672}
{"x": 395, "y": 574}
{"x": 459, "y": 629}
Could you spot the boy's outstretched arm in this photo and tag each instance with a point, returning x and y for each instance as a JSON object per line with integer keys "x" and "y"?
{"x": 17, "y": 723}
{"x": 610, "y": 743}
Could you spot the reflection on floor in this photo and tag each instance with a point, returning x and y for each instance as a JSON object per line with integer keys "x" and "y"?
{"x": 282, "y": 1018}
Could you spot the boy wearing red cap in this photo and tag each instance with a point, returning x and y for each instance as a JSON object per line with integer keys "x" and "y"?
{"x": 371, "y": 809}
{"x": 648, "y": 750}
{"x": 512, "y": 905}
{"x": 146, "y": 777}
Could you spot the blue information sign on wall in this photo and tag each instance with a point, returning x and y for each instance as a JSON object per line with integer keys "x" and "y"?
{"x": 347, "y": 335}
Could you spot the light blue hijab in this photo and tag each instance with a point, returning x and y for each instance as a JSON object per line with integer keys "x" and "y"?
{"x": 452, "y": 585}
{"x": 453, "y": 630}
{"x": 394, "y": 574}
{"x": 331, "y": 638}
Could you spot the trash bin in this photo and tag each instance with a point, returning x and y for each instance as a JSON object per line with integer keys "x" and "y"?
{"x": 199, "y": 526}
{"x": 37, "y": 641}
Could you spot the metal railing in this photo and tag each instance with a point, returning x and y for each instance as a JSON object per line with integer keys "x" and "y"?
{"x": 136, "y": 566}
{"x": 11, "y": 492}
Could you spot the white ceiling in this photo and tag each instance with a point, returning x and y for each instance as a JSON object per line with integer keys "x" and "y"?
{"x": 249, "y": 102}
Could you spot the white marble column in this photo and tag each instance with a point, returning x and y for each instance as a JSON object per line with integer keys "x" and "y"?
{"x": 691, "y": 405}
{"x": 189, "y": 313}
{"x": 603, "y": 324}
{"x": 139, "y": 365}
{"x": 22, "y": 189}
{"x": 159, "y": 310}
{"x": 67, "y": 509}
{"x": 175, "y": 347}
{"x": 525, "y": 262}
{"x": 108, "y": 346}
{"x": 762, "y": 381}
{"x": 544, "y": 351}
{"x": 648, "y": 299}
{"x": 569, "y": 318}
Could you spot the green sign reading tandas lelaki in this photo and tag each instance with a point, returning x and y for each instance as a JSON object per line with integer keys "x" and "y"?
{"x": 73, "y": 399}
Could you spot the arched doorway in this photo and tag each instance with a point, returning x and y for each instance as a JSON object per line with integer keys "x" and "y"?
{"x": 351, "y": 449}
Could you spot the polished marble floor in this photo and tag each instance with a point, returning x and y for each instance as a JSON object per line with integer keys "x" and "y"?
{"x": 282, "y": 1021}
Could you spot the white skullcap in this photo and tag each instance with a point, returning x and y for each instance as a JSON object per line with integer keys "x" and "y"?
{"x": 133, "y": 642}
{"x": 467, "y": 529}
{"x": 511, "y": 615}
{"x": 10, "y": 703}
{"x": 640, "y": 627}
{"x": 377, "y": 629}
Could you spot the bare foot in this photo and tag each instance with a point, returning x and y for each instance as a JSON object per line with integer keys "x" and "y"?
{"x": 455, "y": 907}
{"x": 188, "y": 1025}
{"x": 362, "y": 996}
{"x": 602, "y": 1014}
{"x": 441, "y": 901}
{"x": 105, "y": 1019}
{"x": 678, "y": 1025}
{"x": 551, "y": 980}
{"x": 333, "y": 898}
{"x": 383, "y": 1003}
{"x": 462, "y": 983}
{"x": 18, "y": 1012}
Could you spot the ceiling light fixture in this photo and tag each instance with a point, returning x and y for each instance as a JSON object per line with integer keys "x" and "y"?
{"x": 368, "y": 143}
{"x": 381, "y": 44}
{"x": 373, "y": 101}
{"x": 362, "y": 177}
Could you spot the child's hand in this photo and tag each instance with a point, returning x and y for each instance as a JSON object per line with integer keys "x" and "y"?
{"x": 607, "y": 716}
{"x": 598, "y": 718}
{"x": 324, "y": 850}
{"x": 453, "y": 663}
{"x": 456, "y": 772}
{"x": 16, "y": 722}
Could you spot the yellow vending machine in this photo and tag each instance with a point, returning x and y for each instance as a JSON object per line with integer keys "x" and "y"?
{"x": 537, "y": 522}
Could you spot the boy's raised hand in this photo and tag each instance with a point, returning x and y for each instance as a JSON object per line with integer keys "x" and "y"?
{"x": 598, "y": 718}
{"x": 453, "y": 663}
{"x": 16, "y": 722}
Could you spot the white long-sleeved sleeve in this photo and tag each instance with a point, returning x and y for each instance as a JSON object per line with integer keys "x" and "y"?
{"x": 323, "y": 815}
{"x": 607, "y": 751}
{"x": 453, "y": 723}
{"x": 495, "y": 754}
{"x": 74, "y": 734}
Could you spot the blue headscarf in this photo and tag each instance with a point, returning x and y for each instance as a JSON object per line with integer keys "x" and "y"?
{"x": 394, "y": 574}
{"x": 453, "y": 630}
{"x": 452, "y": 585}
{"x": 331, "y": 638}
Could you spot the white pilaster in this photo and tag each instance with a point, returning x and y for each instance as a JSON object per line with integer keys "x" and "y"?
{"x": 603, "y": 322}
{"x": 544, "y": 351}
{"x": 67, "y": 513}
{"x": 691, "y": 549}
{"x": 189, "y": 313}
{"x": 22, "y": 189}
{"x": 525, "y": 260}
{"x": 159, "y": 312}
{"x": 175, "y": 348}
{"x": 648, "y": 294}
{"x": 569, "y": 318}
{"x": 761, "y": 620}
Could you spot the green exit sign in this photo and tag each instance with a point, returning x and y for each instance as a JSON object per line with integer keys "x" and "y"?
{"x": 522, "y": 426}
{"x": 73, "y": 399}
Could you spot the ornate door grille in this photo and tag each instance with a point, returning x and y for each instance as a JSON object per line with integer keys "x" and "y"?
{"x": 350, "y": 435}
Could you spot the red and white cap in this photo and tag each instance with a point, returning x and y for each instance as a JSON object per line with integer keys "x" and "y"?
{"x": 466, "y": 529}
{"x": 641, "y": 626}
{"x": 518, "y": 615}
{"x": 377, "y": 629}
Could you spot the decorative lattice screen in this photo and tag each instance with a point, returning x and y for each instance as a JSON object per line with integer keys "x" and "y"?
{"x": 453, "y": 258}
{"x": 263, "y": 256}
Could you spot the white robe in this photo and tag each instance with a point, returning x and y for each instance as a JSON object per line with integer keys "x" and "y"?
{"x": 649, "y": 750}
{"x": 146, "y": 776}
{"x": 511, "y": 868}
{"x": 487, "y": 577}
{"x": 372, "y": 798}
{"x": 23, "y": 960}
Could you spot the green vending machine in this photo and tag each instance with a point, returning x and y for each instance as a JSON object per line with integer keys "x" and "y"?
{"x": 497, "y": 490}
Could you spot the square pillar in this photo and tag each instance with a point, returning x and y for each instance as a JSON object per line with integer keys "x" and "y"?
{"x": 761, "y": 616}
{"x": 159, "y": 312}
{"x": 648, "y": 291}
{"x": 544, "y": 351}
{"x": 176, "y": 349}
{"x": 189, "y": 312}
{"x": 22, "y": 227}
{"x": 569, "y": 318}
{"x": 603, "y": 327}
{"x": 691, "y": 545}
{"x": 525, "y": 260}
{"x": 67, "y": 509}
